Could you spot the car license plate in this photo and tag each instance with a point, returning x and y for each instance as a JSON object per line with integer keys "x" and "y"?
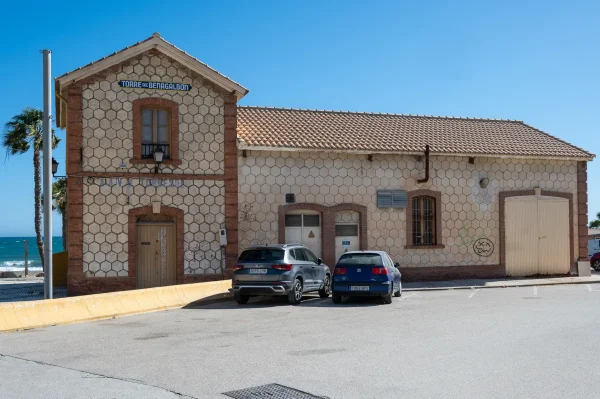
{"x": 359, "y": 288}
{"x": 257, "y": 271}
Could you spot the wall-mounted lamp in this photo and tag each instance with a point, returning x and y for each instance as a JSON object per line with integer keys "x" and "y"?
{"x": 483, "y": 183}
{"x": 55, "y": 169}
{"x": 158, "y": 158}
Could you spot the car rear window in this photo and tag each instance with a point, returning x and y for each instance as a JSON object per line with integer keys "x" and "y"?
{"x": 361, "y": 259}
{"x": 262, "y": 255}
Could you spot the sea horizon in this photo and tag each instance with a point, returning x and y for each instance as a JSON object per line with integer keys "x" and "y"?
{"x": 12, "y": 253}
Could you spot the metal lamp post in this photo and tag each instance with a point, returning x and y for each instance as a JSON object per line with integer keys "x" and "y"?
{"x": 47, "y": 171}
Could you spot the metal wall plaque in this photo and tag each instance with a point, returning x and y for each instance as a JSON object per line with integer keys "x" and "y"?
{"x": 140, "y": 84}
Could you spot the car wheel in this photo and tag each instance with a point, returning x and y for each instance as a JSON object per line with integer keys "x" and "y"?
{"x": 388, "y": 298}
{"x": 398, "y": 293}
{"x": 295, "y": 296}
{"x": 326, "y": 290}
{"x": 336, "y": 298}
{"x": 241, "y": 298}
{"x": 596, "y": 265}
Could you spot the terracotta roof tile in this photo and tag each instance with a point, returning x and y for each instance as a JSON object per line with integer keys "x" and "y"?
{"x": 355, "y": 131}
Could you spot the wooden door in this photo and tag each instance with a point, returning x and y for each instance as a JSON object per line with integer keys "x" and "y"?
{"x": 537, "y": 236}
{"x": 521, "y": 228}
{"x": 554, "y": 244}
{"x": 156, "y": 247}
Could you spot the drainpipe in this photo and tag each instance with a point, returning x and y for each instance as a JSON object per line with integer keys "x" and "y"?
{"x": 426, "y": 179}
{"x": 63, "y": 103}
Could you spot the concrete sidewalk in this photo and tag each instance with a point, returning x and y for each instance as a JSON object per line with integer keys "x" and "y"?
{"x": 496, "y": 283}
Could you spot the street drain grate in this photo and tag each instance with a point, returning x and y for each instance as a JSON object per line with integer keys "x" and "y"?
{"x": 270, "y": 391}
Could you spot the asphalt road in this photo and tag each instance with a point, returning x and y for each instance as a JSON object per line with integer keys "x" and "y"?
{"x": 528, "y": 342}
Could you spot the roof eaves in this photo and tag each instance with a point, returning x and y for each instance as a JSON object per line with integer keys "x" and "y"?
{"x": 588, "y": 155}
{"x": 103, "y": 58}
{"x": 155, "y": 41}
{"x": 245, "y": 146}
{"x": 242, "y": 88}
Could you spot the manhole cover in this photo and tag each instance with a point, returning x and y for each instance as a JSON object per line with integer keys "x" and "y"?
{"x": 270, "y": 391}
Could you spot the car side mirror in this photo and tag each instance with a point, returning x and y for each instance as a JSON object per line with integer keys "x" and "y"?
{"x": 397, "y": 265}
{"x": 319, "y": 261}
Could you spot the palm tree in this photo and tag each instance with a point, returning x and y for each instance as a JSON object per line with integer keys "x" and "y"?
{"x": 59, "y": 195}
{"x": 21, "y": 133}
{"x": 595, "y": 224}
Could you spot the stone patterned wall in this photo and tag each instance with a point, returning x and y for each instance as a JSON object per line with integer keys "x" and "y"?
{"x": 468, "y": 211}
{"x": 106, "y": 203}
{"x": 108, "y": 118}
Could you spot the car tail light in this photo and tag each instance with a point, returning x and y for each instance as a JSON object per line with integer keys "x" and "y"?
{"x": 339, "y": 270}
{"x": 379, "y": 270}
{"x": 284, "y": 267}
{"x": 238, "y": 267}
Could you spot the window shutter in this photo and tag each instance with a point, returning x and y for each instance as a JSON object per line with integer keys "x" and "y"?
{"x": 392, "y": 199}
{"x": 384, "y": 199}
{"x": 399, "y": 199}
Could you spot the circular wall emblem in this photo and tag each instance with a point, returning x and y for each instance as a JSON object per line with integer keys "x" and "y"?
{"x": 483, "y": 247}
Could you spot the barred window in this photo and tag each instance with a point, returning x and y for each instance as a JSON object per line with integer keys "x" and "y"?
{"x": 155, "y": 131}
{"x": 155, "y": 126}
{"x": 423, "y": 221}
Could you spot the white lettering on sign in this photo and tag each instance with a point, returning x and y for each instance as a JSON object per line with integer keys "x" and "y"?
{"x": 138, "y": 84}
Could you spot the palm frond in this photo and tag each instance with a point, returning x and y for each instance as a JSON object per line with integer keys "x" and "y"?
{"x": 21, "y": 130}
{"x": 24, "y": 129}
{"x": 59, "y": 195}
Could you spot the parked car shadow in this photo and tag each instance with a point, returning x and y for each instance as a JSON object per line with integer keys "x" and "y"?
{"x": 276, "y": 301}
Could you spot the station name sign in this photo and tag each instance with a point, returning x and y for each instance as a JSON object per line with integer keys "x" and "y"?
{"x": 139, "y": 84}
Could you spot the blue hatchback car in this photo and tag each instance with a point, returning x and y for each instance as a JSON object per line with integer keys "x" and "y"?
{"x": 366, "y": 273}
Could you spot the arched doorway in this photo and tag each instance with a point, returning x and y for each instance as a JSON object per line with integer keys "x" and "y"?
{"x": 347, "y": 232}
{"x": 155, "y": 246}
{"x": 304, "y": 227}
{"x": 536, "y": 232}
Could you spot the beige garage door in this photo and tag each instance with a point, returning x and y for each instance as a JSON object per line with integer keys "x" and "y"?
{"x": 537, "y": 235}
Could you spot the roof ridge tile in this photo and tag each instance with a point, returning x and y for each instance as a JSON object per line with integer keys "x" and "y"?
{"x": 375, "y": 113}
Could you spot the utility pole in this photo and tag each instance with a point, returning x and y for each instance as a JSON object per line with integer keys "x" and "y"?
{"x": 47, "y": 171}
{"x": 26, "y": 258}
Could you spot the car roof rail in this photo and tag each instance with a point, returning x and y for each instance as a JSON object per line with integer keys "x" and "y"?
{"x": 273, "y": 245}
{"x": 292, "y": 245}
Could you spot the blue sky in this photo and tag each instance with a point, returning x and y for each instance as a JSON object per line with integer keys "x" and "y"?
{"x": 536, "y": 61}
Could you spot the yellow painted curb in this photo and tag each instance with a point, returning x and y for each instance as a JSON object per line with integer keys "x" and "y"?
{"x": 34, "y": 314}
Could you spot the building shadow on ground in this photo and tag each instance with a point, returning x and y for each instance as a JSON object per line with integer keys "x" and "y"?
{"x": 270, "y": 302}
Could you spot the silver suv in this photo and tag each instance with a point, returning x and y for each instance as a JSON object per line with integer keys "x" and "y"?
{"x": 279, "y": 269}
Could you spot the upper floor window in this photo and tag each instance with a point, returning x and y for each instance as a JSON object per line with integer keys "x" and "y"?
{"x": 423, "y": 220}
{"x": 155, "y": 125}
{"x": 155, "y": 132}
